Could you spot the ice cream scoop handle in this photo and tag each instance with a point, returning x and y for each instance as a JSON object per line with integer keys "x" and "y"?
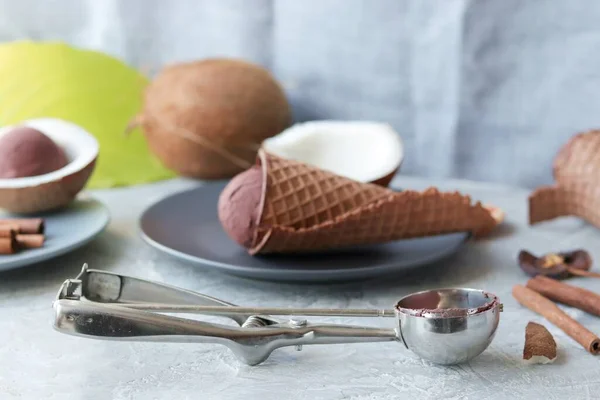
{"x": 232, "y": 311}
{"x": 252, "y": 345}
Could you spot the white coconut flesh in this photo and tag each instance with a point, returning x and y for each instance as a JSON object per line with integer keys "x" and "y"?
{"x": 360, "y": 150}
{"x": 80, "y": 147}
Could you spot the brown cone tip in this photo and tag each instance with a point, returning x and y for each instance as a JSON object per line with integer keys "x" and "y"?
{"x": 496, "y": 212}
{"x": 540, "y": 347}
{"x": 307, "y": 209}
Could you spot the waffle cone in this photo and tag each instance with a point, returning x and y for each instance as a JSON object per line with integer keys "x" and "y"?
{"x": 578, "y": 199}
{"x": 579, "y": 159}
{"x": 308, "y": 209}
{"x": 576, "y": 192}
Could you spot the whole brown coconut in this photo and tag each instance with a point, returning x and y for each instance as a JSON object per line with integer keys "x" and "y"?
{"x": 207, "y": 119}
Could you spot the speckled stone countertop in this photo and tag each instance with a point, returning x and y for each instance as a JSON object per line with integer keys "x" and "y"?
{"x": 38, "y": 363}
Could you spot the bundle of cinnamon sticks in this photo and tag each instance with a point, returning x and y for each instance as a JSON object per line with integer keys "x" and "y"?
{"x": 24, "y": 233}
{"x": 539, "y": 295}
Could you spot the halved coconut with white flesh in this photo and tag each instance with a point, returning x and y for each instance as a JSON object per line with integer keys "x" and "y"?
{"x": 52, "y": 190}
{"x": 364, "y": 151}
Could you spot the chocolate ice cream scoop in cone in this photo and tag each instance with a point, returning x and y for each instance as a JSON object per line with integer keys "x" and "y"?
{"x": 302, "y": 209}
{"x": 576, "y": 191}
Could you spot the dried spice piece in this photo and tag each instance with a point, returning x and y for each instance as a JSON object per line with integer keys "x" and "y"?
{"x": 8, "y": 243}
{"x": 31, "y": 241}
{"x": 24, "y": 225}
{"x": 573, "y": 296}
{"x": 540, "y": 347}
{"x": 557, "y": 265}
{"x": 7, "y": 231}
{"x": 19, "y": 234}
{"x": 546, "y": 308}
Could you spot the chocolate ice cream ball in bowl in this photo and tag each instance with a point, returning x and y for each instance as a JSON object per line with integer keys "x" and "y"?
{"x": 44, "y": 164}
{"x": 25, "y": 152}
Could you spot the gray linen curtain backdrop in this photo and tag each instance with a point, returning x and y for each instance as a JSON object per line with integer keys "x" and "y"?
{"x": 484, "y": 90}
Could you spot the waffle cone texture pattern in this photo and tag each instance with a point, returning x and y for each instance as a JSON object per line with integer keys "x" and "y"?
{"x": 306, "y": 209}
{"x": 576, "y": 191}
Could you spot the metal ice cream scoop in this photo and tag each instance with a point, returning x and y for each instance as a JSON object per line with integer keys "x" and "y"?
{"x": 444, "y": 326}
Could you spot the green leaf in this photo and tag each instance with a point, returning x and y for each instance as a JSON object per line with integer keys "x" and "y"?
{"x": 88, "y": 88}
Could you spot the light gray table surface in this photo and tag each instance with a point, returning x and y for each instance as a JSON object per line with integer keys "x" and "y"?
{"x": 38, "y": 363}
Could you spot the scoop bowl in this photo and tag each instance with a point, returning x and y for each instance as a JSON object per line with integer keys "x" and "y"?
{"x": 448, "y": 326}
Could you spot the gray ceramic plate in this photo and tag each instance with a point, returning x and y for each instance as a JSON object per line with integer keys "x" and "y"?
{"x": 65, "y": 231}
{"x": 186, "y": 226}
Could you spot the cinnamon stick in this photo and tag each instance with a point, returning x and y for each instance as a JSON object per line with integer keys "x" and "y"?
{"x": 8, "y": 245}
{"x": 26, "y": 225}
{"x": 570, "y": 295}
{"x": 30, "y": 241}
{"x": 7, "y": 231}
{"x": 583, "y": 272}
{"x": 541, "y": 305}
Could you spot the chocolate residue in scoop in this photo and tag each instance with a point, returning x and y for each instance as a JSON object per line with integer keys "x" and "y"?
{"x": 239, "y": 205}
{"x": 25, "y": 152}
{"x": 445, "y": 312}
{"x": 540, "y": 346}
{"x": 442, "y": 312}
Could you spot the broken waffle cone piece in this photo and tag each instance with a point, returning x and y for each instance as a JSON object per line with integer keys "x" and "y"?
{"x": 579, "y": 159}
{"x": 578, "y": 199}
{"x": 303, "y": 209}
{"x": 540, "y": 346}
{"x": 576, "y": 191}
